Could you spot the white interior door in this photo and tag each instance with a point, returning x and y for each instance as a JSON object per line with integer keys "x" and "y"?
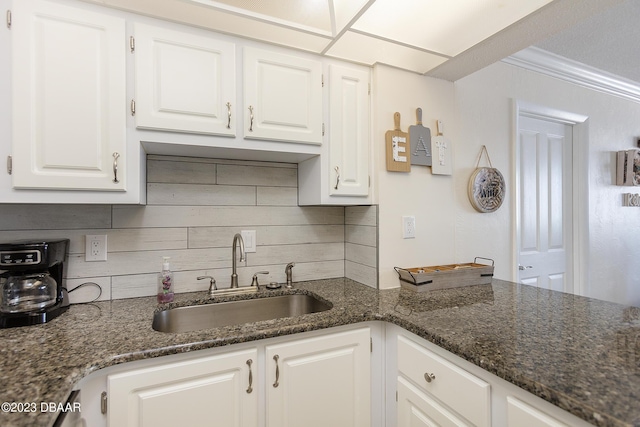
{"x": 544, "y": 176}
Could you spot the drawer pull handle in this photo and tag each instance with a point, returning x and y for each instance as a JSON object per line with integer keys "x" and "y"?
{"x": 429, "y": 377}
{"x": 115, "y": 167}
{"x": 250, "y": 118}
{"x": 250, "y": 389}
{"x": 277, "y": 383}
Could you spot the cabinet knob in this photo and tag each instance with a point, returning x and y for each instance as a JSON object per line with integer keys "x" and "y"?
{"x": 429, "y": 377}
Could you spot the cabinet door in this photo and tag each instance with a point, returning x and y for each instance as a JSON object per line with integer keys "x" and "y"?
{"x": 282, "y": 97}
{"x": 215, "y": 390}
{"x": 349, "y": 131}
{"x": 522, "y": 414}
{"x": 68, "y": 98}
{"x": 319, "y": 382}
{"x": 184, "y": 82}
{"x": 417, "y": 409}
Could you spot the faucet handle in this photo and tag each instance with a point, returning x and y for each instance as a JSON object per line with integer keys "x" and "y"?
{"x": 212, "y": 283}
{"x": 254, "y": 282}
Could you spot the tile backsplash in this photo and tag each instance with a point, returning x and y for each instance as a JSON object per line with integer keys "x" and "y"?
{"x": 194, "y": 207}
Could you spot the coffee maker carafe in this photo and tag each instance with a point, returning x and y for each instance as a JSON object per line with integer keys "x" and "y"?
{"x": 31, "y": 289}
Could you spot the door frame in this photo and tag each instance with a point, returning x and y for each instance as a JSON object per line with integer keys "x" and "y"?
{"x": 580, "y": 247}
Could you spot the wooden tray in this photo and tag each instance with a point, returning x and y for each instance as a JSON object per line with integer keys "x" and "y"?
{"x": 421, "y": 279}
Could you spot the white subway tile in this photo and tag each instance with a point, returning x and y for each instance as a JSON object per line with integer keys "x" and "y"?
{"x": 361, "y": 215}
{"x": 361, "y": 234}
{"x": 89, "y": 292}
{"x": 198, "y": 216}
{"x": 361, "y": 273}
{"x": 180, "y": 172}
{"x": 366, "y": 255}
{"x": 204, "y": 237}
{"x": 199, "y": 194}
{"x": 47, "y": 217}
{"x": 257, "y": 175}
{"x": 277, "y": 196}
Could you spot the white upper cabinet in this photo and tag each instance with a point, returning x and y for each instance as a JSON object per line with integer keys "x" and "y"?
{"x": 340, "y": 175}
{"x": 349, "y": 131}
{"x": 68, "y": 98}
{"x": 282, "y": 97}
{"x": 184, "y": 82}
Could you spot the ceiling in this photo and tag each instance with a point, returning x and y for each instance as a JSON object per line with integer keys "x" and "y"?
{"x": 608, "y": 41}
{"x": 446, "y": 39}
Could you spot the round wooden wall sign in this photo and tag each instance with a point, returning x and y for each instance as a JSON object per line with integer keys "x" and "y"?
{"x": 486, "y": 189}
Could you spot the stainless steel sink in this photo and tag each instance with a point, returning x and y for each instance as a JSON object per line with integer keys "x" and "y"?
{"x": 214, "y": 315}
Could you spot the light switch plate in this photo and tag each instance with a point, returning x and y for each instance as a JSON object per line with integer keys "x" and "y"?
{"x": 249, "y": 237}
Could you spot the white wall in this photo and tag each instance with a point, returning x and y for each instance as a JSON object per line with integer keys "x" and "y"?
{"x": 484, "y": 116}
{"x": 430, "y": 198}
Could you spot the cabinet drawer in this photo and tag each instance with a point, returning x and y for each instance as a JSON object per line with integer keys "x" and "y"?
{"x": 466, "y": 394}
{"x": 416, "y": 408}
{"x": 522, "y": 414}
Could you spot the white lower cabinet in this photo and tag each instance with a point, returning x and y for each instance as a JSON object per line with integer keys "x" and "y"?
{"x": 320, "y": 381}
{"x": 334, "y": 377}
{"x": 322, "y": 378}
{"x": 434, "y": 387}
{"x": 188, "y": 393}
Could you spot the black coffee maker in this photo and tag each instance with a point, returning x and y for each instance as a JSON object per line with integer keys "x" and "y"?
{"x": 31, "y": 289}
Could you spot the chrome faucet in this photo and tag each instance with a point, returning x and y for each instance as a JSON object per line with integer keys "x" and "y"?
{"x": 288, "y": 271}
{"x": 234, "y": 275}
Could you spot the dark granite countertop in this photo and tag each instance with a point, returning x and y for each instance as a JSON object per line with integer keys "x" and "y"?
{"x": 580, "y": 354}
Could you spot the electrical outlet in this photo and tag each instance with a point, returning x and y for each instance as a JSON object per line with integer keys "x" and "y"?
{"x": 96, "y": 247}
{"x": 249, "y": 237}
{"x": 408, "y": 227}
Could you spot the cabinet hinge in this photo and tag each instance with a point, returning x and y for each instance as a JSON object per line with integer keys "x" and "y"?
{"x": 369, "y": 88}
{"x": 9, "y": 165}
{"x": 9, "y": 19}
{"x": 371, "y": 344}
{"x": 396, "y": 395}
{"x": 132, "y": 44}
{"x": 322, "y": 80}
{"x": 369, "y": 181}
{"x": 323, "y": 129}
{"x": 103, "y": 402}
{"x": 133, "y": 107}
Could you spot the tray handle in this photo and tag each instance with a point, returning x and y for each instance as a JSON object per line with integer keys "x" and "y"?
{"x": 486, "y": 259}
{"x": 398, "y": 269}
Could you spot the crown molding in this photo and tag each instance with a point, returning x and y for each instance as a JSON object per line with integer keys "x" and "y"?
{"x": 542, "y": 61}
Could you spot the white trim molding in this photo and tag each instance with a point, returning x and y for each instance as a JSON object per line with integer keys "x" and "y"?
{"x": 542, "y": 61}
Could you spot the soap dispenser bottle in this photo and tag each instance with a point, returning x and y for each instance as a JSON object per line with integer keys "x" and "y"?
{"x": 165, "y": 282}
